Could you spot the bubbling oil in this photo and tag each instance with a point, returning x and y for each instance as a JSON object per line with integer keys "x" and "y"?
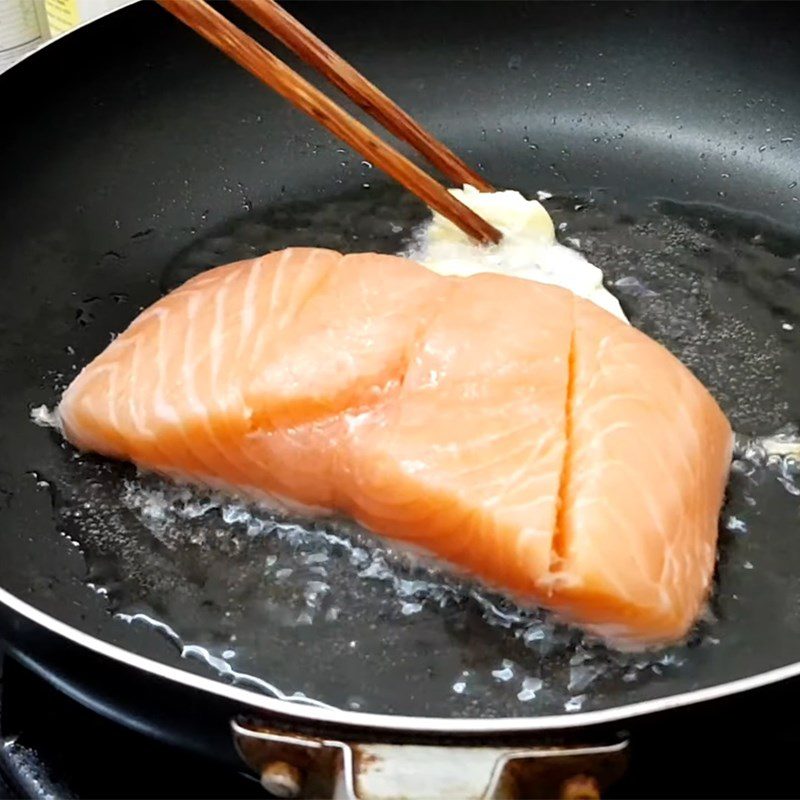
{"x": 319, "y": 611}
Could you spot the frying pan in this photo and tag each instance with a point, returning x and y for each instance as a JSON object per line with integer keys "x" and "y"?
{"x": 134, "y": 155}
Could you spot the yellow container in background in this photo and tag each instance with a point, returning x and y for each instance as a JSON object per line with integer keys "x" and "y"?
{"x": 64, "y": 15}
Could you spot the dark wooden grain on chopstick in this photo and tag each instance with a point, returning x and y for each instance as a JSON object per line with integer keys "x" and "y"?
{"x": 223, "y": 34}
{"x": 283, "y": 26}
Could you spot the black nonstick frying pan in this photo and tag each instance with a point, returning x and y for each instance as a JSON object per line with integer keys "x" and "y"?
{"x": 134, "y": 155}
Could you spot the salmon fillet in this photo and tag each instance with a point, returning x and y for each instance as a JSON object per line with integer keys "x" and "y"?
{"x": 518, "y": 432}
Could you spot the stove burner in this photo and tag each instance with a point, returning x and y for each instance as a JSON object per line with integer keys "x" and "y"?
{"x": 52, "y": 747}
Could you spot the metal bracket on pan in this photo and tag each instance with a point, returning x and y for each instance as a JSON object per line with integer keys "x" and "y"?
{"x": 293, "y": 766}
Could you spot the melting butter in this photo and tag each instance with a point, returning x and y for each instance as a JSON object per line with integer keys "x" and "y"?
{"x": 529, "y": 248}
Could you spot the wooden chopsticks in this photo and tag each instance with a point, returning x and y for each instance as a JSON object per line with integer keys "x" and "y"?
{"x": 284, "y": 27}
{"x": 236, "y": 44}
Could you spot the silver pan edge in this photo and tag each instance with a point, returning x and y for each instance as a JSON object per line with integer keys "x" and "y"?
{"x": 388, "y": 723}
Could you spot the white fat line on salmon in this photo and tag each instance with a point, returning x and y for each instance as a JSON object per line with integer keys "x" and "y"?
{"x": 785, "y": 442}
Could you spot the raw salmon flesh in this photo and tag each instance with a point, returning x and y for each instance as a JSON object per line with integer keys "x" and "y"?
{"x": 510, "y": 428}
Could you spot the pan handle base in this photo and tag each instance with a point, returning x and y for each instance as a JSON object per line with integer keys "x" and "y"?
{"x": 292, "y": 765}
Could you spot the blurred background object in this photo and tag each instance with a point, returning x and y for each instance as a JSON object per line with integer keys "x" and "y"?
{"x": 26, "y": 24}
{"x": 23, "y": 27}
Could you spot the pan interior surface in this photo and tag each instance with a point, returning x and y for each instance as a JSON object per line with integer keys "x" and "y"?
{"x": 696, "y": 233}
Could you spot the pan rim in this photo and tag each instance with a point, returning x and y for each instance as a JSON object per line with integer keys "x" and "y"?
{"x": 388, "y": 723}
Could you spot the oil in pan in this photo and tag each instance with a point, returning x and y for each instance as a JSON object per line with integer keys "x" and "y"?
{"x": 254, "y": 595}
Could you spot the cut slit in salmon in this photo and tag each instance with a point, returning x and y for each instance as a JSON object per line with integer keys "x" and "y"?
{"x": 558, "y": 551}
{"x": 507, "y": 427}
